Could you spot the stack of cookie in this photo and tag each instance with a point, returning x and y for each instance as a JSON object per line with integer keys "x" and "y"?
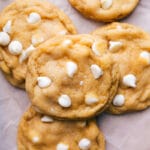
{"x": 70, "y": 79}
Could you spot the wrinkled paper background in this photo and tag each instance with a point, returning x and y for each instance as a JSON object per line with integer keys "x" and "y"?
{"x": 126, "y": 132}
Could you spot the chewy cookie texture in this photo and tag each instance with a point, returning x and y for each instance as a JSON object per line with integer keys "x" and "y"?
{"x": 130, "y": 48}
{"x": 24, "y": 25}
{"x": 40, "y": 132}
{"x": 72, "y": 77}
{"x": 104, "y": 10}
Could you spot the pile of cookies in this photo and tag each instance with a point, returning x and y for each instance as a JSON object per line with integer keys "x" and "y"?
{"x": 71, "y": 78}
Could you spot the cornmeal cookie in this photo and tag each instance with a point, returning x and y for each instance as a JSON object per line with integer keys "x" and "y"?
{"x": 72, "y": 77}
{"x": 105, "y": 10}
{"x": 25, "y": 24}
{"x": 130, "y": 47}
{"x": 40, "y": 132}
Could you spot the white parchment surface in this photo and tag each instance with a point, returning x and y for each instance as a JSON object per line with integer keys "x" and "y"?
{"x": 126, "y": 132}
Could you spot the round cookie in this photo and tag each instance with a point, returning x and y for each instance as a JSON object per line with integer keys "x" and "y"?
{"x": 72, "y": 77}
{"x": 41, "y": 132}
{"x": 24, "y": 25}
{"x": 104, "y": 10}
{"x": 130, "y": 47}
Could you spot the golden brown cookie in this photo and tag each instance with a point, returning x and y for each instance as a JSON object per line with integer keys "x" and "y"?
{"x": 72, "y": 77}
{"x": 25, "y": 24}
{"x": 105, "y": 10}
{"x": 38, "y": 132}
{"x": 130, "y": 47}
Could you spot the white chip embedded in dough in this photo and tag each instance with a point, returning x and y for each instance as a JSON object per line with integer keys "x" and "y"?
{"x": 64, "y": 101}
{"x": 91, "y": 98}
{"x": 44, "y": 82}
{"x": 96, "y": 71}
{"x": 33, "y": 18}
{"x": 146, "y": 56}
{"x": 47, "y": 119}
{"x": 7, "y": 27}
{"x": 26, "y": 53}
{"x": 119, "y": 100}
{"x": 4, "y": 39}
{"x": 115, "y": 45}
{"x": 84, "y": 144}
{"x": 71, "y": 68}
{"x": 15, "y": 47}
{"x": 129, "y": 80}
{"x": 95, "y": 49}
{"x": 62, "y": 146}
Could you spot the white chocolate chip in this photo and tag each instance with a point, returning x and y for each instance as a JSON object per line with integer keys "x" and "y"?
{"x": 25, "y": 54}
{"x": 44, "y": 82}
{"x": 37, "y": 40}
{"x": 119, "y": 100}
{"x": 106, "y": 4}
{"x": 67, "y": 43}
{"x": 115, "y": 45}
{"x": 96, "y": 71}
{"x": 84, "y": 144}
{"x": 91, "y": 98}
{"x": 7, "y": 27}
{"x": 34, "y": 18}
{"x": 35, "y": 139}
{"x": 81, "y": 83}
{"x": 64, "y": 101}
{"x": 62, "y": 146}
{"x": 146, "y": 56}
{"x": 15, "y": 47}
{"x": 129, "y": 80}
{"x": 95, "y": 49}
{"x": 47, "y": 119}
{"x": 71, "y": 68}
{"x": 4, "y": 39}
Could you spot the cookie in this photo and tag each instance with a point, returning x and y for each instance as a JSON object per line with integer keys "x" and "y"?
{"x": 38, "y": 132}
{"x": 72, "y": 77}
{"x": 130, "y": 47}
{"x": 104, "y": 10}
{"x": 24, "y": 25}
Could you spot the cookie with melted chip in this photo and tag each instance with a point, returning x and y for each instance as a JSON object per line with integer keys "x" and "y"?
{"x": 40, "y": 132}
{"x": 104, "y": 10}
{"x": 72, "y": 77}
{"x": 130, "y": 47}
{"x": 24, "y": 25}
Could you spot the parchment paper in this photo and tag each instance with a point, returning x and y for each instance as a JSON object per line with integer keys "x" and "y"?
{"x": 126, "y": 132}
